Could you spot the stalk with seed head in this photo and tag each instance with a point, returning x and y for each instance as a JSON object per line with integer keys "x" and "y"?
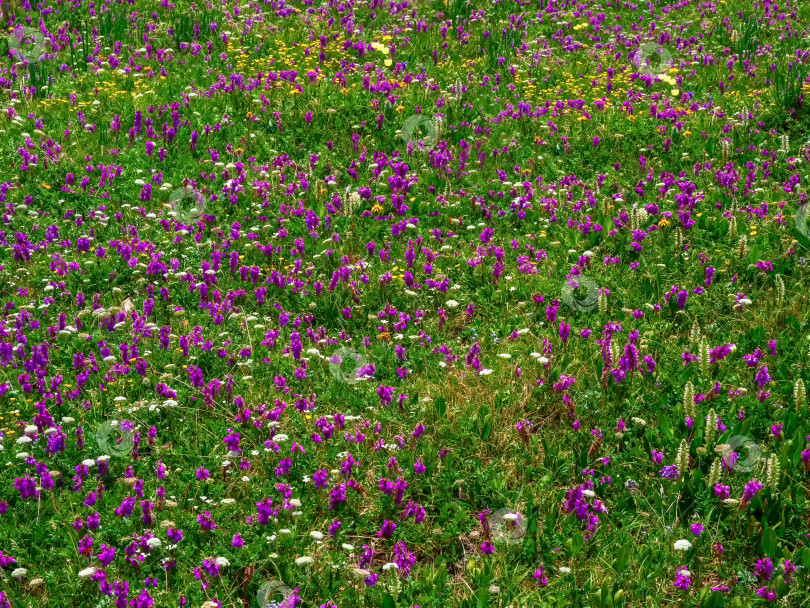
{"x": 689, "y": 408}
{"x": 799, "y": 394}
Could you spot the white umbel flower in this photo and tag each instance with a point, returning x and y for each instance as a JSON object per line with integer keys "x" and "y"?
{"x": 682, "y": 545}
{"x": 87, "y": 573}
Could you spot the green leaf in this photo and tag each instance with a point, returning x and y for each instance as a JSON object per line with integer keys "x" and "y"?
{"x": 622, "y": 558}
{"x": 388, "y": 601}
{"x": 769, "y": 543}
{"x": 487, "y": 428}
{"x": 607, "y": 599}
{"x": 576, "y": 544}
{"x": 666, "y": 430}
{"x": 482, "y": 596}
{"x": 441, "y": 407}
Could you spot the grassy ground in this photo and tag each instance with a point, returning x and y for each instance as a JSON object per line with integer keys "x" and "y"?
{"x": 406, "y": 304}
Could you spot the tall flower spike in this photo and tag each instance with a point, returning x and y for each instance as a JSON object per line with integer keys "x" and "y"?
{"x": 602, "y": 302}
{"x": 678, "y": 241}
{"x": 732, "y": 229}
{"x": 741, "y": 249}
{"x": 694, "y": 333}
{"x": 799, "y": 394}
{"x": 715, "y": 472}
{"x": 780, "y": 289}
{"x": 689, "y": 408}
{"x": 353, "y": 202}
{"x": 606, "y": 206}
{"x": 682, "y": 457}
{"x": 703, "y": 353}
{"x": 711, "y": 429}
{"x": 615, "y": 353}
{"x": 773, "y": 473}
